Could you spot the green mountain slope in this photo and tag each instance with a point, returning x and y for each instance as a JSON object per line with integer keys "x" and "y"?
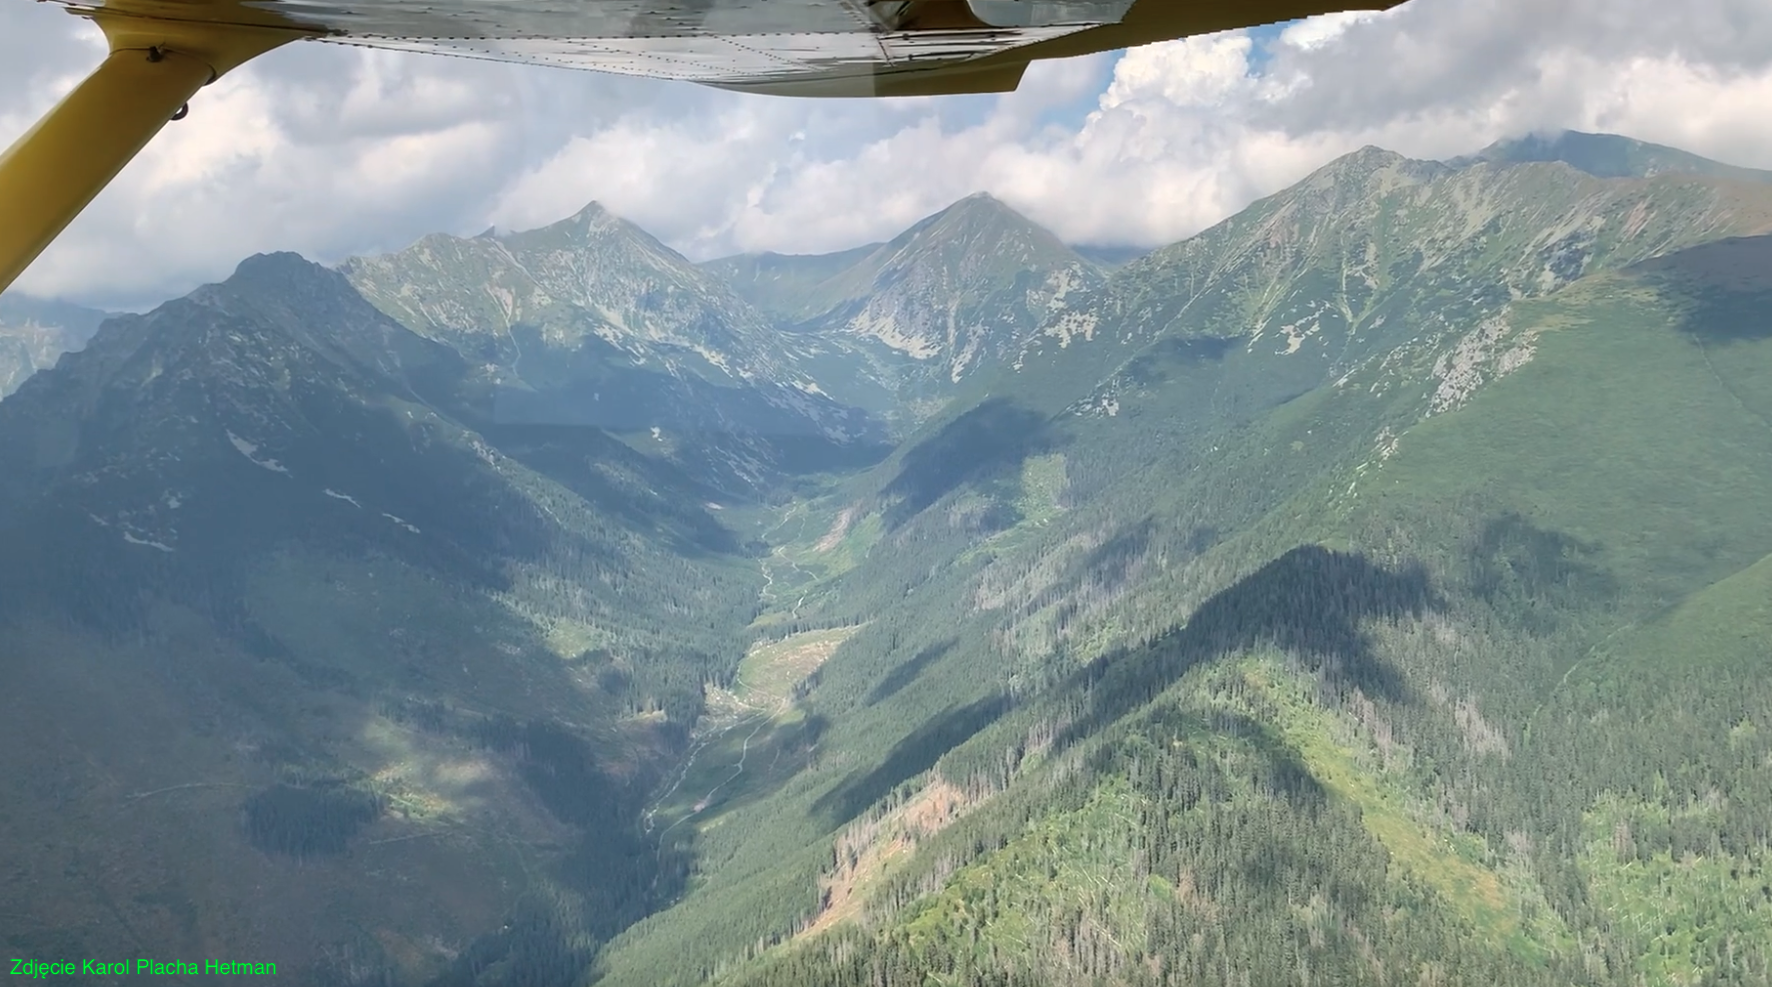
{"x": 1370, "y": 589}
{"x": 1115, "y": 716}
{"x": 35, "y": 333}
{"x": 1368, "y": 253}
{"x": 308, "y": 629}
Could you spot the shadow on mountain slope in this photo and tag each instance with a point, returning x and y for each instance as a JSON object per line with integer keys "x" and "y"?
{"x": 1727, "y": 287}
{"x": 1161, "y": 360}
{"x": 1283, "y": 771}
{"x": 621, "y": 482}
{"x": 910, "y": 757}
{"x": 987, "y": 441}
{"x": 1309, "y": 602}
{"x": 1530, "y": 574}
{"x": 903, "y": 675}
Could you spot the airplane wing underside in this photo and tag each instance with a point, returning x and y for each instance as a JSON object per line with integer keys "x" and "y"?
{"x": 788, "y": 47}
{"x": 848, "y": 64}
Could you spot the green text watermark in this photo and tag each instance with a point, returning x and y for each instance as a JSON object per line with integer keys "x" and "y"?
{"x": 41, "y": 969}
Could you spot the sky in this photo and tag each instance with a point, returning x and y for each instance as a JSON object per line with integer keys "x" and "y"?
{"x": 333, "y": 151}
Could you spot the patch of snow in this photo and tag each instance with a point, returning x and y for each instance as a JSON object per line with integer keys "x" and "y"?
{"x": 250, "y": 451}
{"x": 133, "y": 540}
{"x": 400, "y": 522}
{"x": 335, "y": 495}
{"x": 172, "y": 501}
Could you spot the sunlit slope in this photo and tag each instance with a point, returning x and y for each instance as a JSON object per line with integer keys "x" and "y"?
{"x": 1350, "y": 306}
{"x": 280, "y": 627}
{"x": 1620, "y": 469}
{"x": 1286, "y": 757}
{"x": 1374, "y": 251}
{"x": 1672, "y": 839}
{"x": 1212, "y": 380}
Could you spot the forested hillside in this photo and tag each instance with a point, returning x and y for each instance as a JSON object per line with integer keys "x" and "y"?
{"x": 1316, "y": 602}
{"x": 1374, "y": 588}
{"x": 283, "y": 610}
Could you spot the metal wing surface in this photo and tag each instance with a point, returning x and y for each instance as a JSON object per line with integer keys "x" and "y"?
{"x": 787, "y": 47}
{"x": 807, "y": 47}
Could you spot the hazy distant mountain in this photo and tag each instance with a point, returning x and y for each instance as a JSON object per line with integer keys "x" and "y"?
{"x": 591, "y": 321}
{"x": 34, "y": 333}
{"x": 1111, "y": 257}
{"x": 778, "y": 284}
{"x": 1609, "y": 156}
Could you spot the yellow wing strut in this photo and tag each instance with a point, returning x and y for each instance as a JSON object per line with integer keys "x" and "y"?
{"x": 49, "y": 175}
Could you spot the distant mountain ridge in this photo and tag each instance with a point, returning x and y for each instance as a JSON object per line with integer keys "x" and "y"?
{"x": 1608, "y": 156}
{"x": 1367, "y": 253}
{"x": 944, "y": 302}
{"x": 34, "y": 333}
{"x": 592, "y": 322}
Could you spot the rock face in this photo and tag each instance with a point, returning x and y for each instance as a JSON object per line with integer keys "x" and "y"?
{"x": 943, "y": 304}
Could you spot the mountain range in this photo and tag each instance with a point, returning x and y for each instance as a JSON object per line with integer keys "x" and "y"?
{"x": 1370, "y": 588}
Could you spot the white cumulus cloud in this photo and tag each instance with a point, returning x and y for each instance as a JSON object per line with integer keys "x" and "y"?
{"x": 333, "y": 151}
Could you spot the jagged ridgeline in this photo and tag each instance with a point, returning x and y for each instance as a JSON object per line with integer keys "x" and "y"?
{"x": 1370, "y": 589}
